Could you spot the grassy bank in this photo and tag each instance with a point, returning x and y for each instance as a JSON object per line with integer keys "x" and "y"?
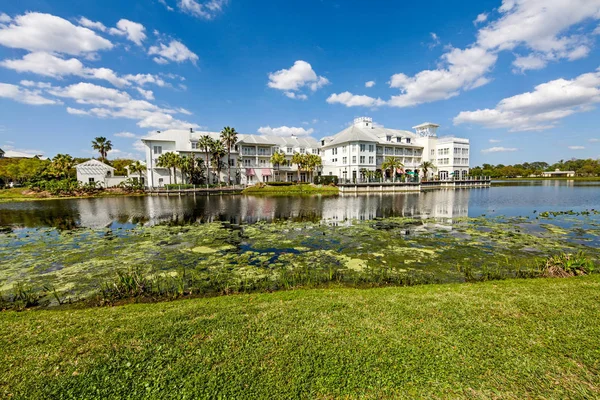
{"x": 23, "y": 194}
{"x": 292, "y": 189}
{"x": 512, "y": 339}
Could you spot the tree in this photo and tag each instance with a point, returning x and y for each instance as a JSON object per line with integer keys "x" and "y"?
{"x": 299, "y": 160}
{"x": 217, "y": 151}
{"x": 170, "y": 160}
{"x": 229, "y": 139}
{"x": 391, "y": 163}
{"x": 277, "y": 159}
{"x": 137, "y": 168}
{"x": 61, "y": 165}
{"x": 102, "y": 145}
{"x": 312, "y": 162}
{"x": 426, "y": 166}
{"x": 205, "y": 144}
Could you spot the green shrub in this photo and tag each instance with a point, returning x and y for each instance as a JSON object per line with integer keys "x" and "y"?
{"x": 326, "y": 180}
{"x": 280, "y": 183}
{"x": 181, "y": 186}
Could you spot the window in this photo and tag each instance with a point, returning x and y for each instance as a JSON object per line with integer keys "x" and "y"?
{"x": 398, "y": 151}
{"x": 334, "y": 151}
{"x": 195, "y": 146}
{"x": 353, "y": 159}
{"x": 354, "y": 147}
{"x": 157, "y": 149}
{"x": 315, "y": 151}
{"x": 302, "y": 150}
{"x": 432, "y": 152}
{"x": 344, "y": 160}
{"x": 232, "y": 162}
{"x": 91, "y": 180}
{"x": 275, "y": 149}
{"x": 371, "y": 147}
{"x": 363, "y": 147}
{"x": 388, "y": 138}
{"x": 407, "y": 140}
{"x": 362, "y": 159}
{"x": 343, "y": 149}
{"x": 370, "y": 159}
{"x": 289, "y": 150}
{"x": 398, "y": 139}
{"x": 247, "y": 163}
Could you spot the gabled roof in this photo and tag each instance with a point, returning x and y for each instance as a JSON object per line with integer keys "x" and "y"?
{"x": 93, "y": 167}
{"x": 353, "y": 134}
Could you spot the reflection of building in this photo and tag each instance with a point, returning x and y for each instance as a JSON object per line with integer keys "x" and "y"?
{"x": 349, "y": 155}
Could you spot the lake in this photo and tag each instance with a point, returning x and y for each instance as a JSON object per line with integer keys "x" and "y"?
{"x": 514, "y": 198}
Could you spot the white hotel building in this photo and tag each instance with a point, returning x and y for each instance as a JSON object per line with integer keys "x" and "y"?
{"x": 362, "y": 146}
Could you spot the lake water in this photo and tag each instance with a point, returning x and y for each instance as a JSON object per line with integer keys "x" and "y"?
{"x": 503, "y": 198}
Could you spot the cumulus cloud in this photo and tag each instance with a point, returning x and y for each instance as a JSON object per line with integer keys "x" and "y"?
{"x": 175, "y": 51}
{"x": 45, "y": 32}
{"x": 127, "y": 135}
{"x": 369, "y": 84}
{"x": 293, "y": 95}
{"x": 99, "y": 26}
{"x": 147, "y": 94}
{"x": 299, "y": 76}
{"x": 529, "y": 62}
{"x": 205, "y": 10}
{"x": 481, "y": 18}
{"x": 4, "y": 18}
{"x": 285, "y": 131}
{"x": 540, "y": 109}
{"x": 498, "y": 150}
{"x": 25, "y": 96}
{"x": 352, "y": 100}
{"x": 576, "y": 147}
{"x": 134, "y": 31}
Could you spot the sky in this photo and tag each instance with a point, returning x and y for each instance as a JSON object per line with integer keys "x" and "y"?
{"x": 519, "y": 78}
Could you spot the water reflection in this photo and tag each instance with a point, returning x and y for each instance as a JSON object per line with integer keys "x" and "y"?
{"x": 445, "y": 205}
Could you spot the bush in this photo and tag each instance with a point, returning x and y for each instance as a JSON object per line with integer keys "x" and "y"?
{"x": 280, "y": 183}
{"x": 180, "y": 186}
{"x": 132, "y": 184}
{"x": 326, "y": 180}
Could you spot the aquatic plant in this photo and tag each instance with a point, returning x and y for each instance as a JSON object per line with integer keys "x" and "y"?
{"x": 567, "y": 265}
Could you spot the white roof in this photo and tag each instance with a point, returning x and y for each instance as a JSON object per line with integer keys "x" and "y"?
{"x": 93, "y": 167}
{"x": 375, "y": 133}
{"x": 426, "y": 124}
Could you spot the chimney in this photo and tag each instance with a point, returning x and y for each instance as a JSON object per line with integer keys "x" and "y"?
{"x": 191, "y": 130}
{"x": 157, "y": 131}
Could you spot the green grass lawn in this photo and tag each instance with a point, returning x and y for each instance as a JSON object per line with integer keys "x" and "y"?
{"x": 292, "y": 190}
{"x": 510, "y": 339}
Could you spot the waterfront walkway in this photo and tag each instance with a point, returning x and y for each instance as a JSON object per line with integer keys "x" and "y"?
{"x": 393, "y": 187}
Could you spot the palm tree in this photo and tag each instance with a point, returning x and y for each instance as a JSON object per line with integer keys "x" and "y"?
{"x": 391, "y": 163}
{"x": 299, "y": 160}
{"x": 61, "y": 164}
{"x": 137, "y": 168}
{"x": 426, "y": 166}
{"x": 313, "y": 162}
{"x": 277, "y": 159}
{"x": 102, "y": 145}
{"x": 229, "y": 138}
{"x": 217, "y": 151}
{"x": 170, "y": 160}
{"x": 205, "y": 143}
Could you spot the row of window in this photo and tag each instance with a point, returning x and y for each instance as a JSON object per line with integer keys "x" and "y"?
{"x": 398, "y": 139}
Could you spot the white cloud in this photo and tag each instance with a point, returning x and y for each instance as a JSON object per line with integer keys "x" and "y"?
{"x": 26, "y": 96}
{"x": 164, "y": 3}
{"x": 594, "y": 140}
{"x": 540, "y": 109}
{"x": 148, "y": 94}
{"x": 481, "y": 18}
{"x": 435, "y": 40}
{"x": 127, "y": 135}
{"x": 142, "y": 79}
{"x": 284, "y": 131}
{"x": 576, "y": 147}
{"x": 495, "y": 141}
{"x": 99, "y": 26}
{"x": 133, "y": 30}
{"x": 299, "y": 76}
{"x": 46, "y": 32}
{"x": 352, "y": 100}
{"x": 4, "y": 18}
{"x": 293, "y": 95}
{"x": 529, "y": 62}
{"x": 369, "y": 84}
{"x": 206, "y": 10}
{"x": 175, "y": 51}
{"x": 498, "y": 150}
{"x": 465, "y": 70}
{"x": 76, "y": 111}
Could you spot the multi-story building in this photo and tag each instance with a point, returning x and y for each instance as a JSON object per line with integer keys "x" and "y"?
{"x": 361, "y": 147}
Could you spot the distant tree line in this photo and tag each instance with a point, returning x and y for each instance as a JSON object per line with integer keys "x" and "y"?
{"x": 582, "y": 167}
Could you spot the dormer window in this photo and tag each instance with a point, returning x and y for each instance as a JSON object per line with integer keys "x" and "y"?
{"x": 388, "y": 138}
{"x": 407, "y": 140}
{"x": 399, "y": 139}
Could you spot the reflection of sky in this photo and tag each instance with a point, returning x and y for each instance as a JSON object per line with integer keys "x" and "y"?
{"x": 443, "y": 204}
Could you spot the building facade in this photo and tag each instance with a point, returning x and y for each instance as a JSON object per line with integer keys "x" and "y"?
{"x": 97, "y": 173}
{"x": 349, "y": 155}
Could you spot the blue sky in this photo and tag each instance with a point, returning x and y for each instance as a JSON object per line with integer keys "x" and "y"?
{"x": 518, "y": 78}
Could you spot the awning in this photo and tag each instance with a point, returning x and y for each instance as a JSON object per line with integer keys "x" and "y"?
{"x": 266, "y": 172}
{"x": 250, "y": 172}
